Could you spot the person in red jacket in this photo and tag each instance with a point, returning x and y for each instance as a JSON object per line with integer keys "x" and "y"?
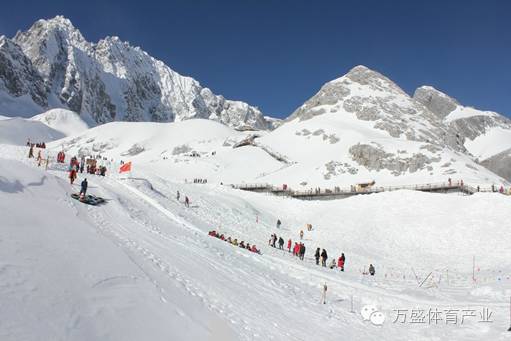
{"x": 296, "y": 249}
{"x": 340, "y": 262}
{"x": 72, "y": 175}
{"x": 289, "y": 244}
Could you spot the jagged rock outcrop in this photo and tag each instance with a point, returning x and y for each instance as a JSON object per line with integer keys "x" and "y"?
{"x": 436, "y": 101}
{"x": 112, "y": 80}
{"x": 375, "y": 158}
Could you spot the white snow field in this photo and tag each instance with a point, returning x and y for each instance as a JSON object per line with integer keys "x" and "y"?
{"x": 278, "y": 157}
{"x": 142, "y": 267}
{"x": 48, "y": 126}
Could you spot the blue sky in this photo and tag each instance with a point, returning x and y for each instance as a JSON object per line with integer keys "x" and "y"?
{"x": 276, "y": 54}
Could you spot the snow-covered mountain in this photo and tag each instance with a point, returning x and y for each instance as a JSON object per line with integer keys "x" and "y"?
{"x": 52, "y": 65}
{"x": 362, "y": 126}
{"x": 485, "y": 134}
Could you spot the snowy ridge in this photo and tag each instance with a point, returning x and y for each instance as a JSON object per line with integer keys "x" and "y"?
{"x": 110, "y": 80}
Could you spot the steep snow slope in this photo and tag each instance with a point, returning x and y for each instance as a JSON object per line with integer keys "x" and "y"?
{"x": 262, "y": 297}
{"x": 65, "y": 121}
{"x": 111, "y": 80}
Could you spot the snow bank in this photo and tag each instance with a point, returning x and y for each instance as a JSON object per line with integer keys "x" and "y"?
{"x": 18, "y": 130}
{"x": 65, "y": 121}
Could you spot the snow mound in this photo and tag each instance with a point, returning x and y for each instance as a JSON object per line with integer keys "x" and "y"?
{"x": 17, "y": 130}
{"x": 66, "y": 121}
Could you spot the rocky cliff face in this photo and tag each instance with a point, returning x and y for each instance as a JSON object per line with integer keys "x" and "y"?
{"x": 475, "y": 128}
{"x": 112, "y": 80}
{"x": 18, "y": 77}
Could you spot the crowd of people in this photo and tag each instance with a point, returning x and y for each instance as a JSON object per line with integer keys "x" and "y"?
{"x": 37, "y": 144}
{"x": 234, "y": 242}
{"x": 321, "y": 255}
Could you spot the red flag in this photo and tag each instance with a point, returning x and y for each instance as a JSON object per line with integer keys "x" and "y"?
{"x": 125, "y": 168}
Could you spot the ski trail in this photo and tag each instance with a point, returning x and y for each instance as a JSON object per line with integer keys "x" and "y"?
{"x": 160, "y": 208}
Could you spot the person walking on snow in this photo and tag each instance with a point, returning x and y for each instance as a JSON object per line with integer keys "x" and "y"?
{"x": 72, "y": 175}
{"x": 301, "y": 234}
{"x": 31, "y": 152}
{"x": 317, "y": 255}
{"x": 302, "y": 251}
{"x": 296, "y": 248}
{"x": 281, "y": 243}
{"x": 371, "y": 270}
{"x": 178, "y": 195}
{"x": 323, "y": 293}
{"x": 340, "y": 263}
{"x": 187, "y": 202}
{"x": 278, "y": 223}
{"x": 289, "y": 244}
{"x": 83, "y": 187}
{"x": 324, "y": 257}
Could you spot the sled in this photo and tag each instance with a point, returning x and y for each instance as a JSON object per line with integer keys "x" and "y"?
{"x": 88, "y": 199}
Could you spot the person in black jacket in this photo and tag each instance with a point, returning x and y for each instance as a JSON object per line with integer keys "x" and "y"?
{"x": 324, "y": 257}
{"x": 84, "y": 185}
{"x": 281, "y": 243}
{"x": 317, "y": 255}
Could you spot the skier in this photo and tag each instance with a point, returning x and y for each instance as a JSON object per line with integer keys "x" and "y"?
{"x": 278, "y": 223}
{"x": 301, "y": 234}
{"x": 187, "y": 202}
{"x": 317, "y": 255}
{"x": 281, "y": 243}
{"x": 178, "y": 195}
{"x": 289, "y": 244}
{"x": 371, "y": 270}
{"x": 324, "y": 257}
{"x": 340, "y": 263}
{"x": 83, "y": 188}
{"x": 323, "y": 293}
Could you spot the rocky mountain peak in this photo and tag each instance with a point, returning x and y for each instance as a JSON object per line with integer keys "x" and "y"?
{"x": 112, "y": 80}
{"x": 436, "y": 101}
